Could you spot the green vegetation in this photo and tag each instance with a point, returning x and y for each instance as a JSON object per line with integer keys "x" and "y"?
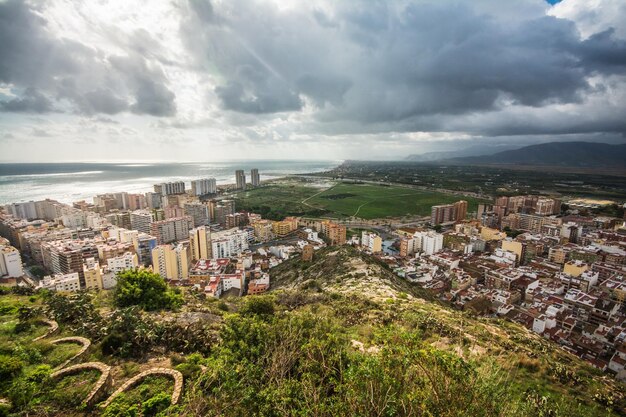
{"x": 488, "y": 180}
{"x": 146, "y": 289}
{"x": 148, "y": 399}
{"x": 279, "y": 200}
{"x": 367, "y": 201}
{"x": 339, "y": 336}
{"x": 71, "y": 390}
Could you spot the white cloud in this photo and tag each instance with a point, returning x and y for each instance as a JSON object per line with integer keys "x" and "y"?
{"x": 200, "y": 80}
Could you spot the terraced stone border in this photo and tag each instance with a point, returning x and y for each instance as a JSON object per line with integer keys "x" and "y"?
{"x": 54, "y": 326}
{"x": 102, "y": 385}
{"x": 176, "y": 376}
{"x": 80, "y": 340}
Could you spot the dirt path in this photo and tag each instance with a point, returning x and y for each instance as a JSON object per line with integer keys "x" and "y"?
{"x": 315, "y": 195}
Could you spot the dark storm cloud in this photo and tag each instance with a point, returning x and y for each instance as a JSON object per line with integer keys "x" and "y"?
{"x": 394, "y": 66}
{"x": 32, "y": 58}
{"x": 101, "y": 101}
{"x": 32, "y": 101}
{"x": 27, "y": 56}
{"x": 153, "y": 98}
{"x": 147, "y": 84}
{"x": 269, "y": 97}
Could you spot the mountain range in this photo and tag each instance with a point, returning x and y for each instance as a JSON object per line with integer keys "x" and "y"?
{"x": 564, "y": 154}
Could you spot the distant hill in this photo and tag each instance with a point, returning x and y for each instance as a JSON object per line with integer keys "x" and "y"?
{"x": 566, "y": 154}
{"x": 471, "y": 151}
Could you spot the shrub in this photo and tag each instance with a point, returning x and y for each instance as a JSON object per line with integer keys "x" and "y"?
{"x": 29, "y": 388}
{"x": 258, "y": 305}
{"x": 40, "y": 374}
{"x": 130, "y": 334}
{"x": 4, "y": 409}
{"x": 77, "y": 312}
{"x": 155, "y": 404}
{"x": 189, "y": 370}
{"x": 120, "y": 409}
{"x": 10, "y": 366}
{"x": 145, "y": 289}
{"x": 28, "y": 353}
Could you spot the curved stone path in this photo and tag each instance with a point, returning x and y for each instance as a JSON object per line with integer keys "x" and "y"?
{"x": 76, "y": 339}
{"x": 54, "y": 326}
{"x": 102, "y": 385}
{"x": 178, "y": 384}
{"x": 105, "y": 380}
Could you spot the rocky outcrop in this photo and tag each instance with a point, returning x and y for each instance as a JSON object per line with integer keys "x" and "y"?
{"x": 102, "y": 385}
{"x": 175, "y": 375}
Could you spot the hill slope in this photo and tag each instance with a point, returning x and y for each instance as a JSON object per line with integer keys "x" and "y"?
{"x": 344, "y": 270}
{"x": 337, "y": 336}
{"x": 569, "y": 154}
{"x": 368, "y": 298}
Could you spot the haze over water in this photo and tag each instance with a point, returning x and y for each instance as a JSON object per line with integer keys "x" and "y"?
{"x": 68, "y": 182}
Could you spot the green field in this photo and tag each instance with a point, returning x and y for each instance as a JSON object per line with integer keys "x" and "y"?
{"x": 366, "y": 201}
{"x": 376, "y": 201}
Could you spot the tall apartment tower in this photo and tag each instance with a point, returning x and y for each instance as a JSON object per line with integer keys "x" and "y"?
{"x": 448, "y": 212}
{"x": 140, "y": 220}
{"x": 460, "y": 208}
{"x": 169, "y": 188}
{"x": 171, "y": 262}
{"x": 171, "y": 230}
{"x": 240, "y": 177}
{"x": 255, "y": 177}
{"x": 204, "y": 186}
{"x": 199, "y": 212}
{"x": 200, "y": 243}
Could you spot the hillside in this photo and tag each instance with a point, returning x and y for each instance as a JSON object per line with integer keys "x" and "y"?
{"x": 343, "y": 270}
{"x": 340, "y": 335}
{"x": 566, "y": 154}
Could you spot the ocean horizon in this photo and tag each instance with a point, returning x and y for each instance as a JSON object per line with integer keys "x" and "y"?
{"x": 74, "y": 181}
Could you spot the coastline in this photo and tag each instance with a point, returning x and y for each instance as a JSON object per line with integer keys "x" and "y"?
{"x": 70, "y": 182}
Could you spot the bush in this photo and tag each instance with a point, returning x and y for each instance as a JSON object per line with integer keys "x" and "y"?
{"x": 156, "y": 404}
{"x": 10, "y": 366}
{"x": 40, "y": 374}
{"x": 4, "y": 409}
{"x": 145, "y": 289}
{"x": 119, "y": 409}
{"x": 258, "y": 305}
{"x": 77, "y": 312}
{"x": 29, "y": 354}
{"x": 29, "y": 388}
{"x": 189, "y": 370}
{"x": 130, "y": 334}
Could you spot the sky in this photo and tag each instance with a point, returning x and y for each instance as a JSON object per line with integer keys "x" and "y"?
{"x": 202, "y": 80}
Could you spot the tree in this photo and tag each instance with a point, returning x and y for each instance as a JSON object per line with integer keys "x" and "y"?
{"x": 145, "y": 289}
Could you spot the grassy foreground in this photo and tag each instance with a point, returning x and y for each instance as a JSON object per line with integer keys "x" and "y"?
{"x": 317, "y": 346}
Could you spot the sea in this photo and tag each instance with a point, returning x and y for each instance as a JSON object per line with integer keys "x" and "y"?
{"x": 69, "y": 182}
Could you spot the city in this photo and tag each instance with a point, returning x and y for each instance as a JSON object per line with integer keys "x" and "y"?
{"x": 532, "y": 259}
{"x": 277, "y": 208}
